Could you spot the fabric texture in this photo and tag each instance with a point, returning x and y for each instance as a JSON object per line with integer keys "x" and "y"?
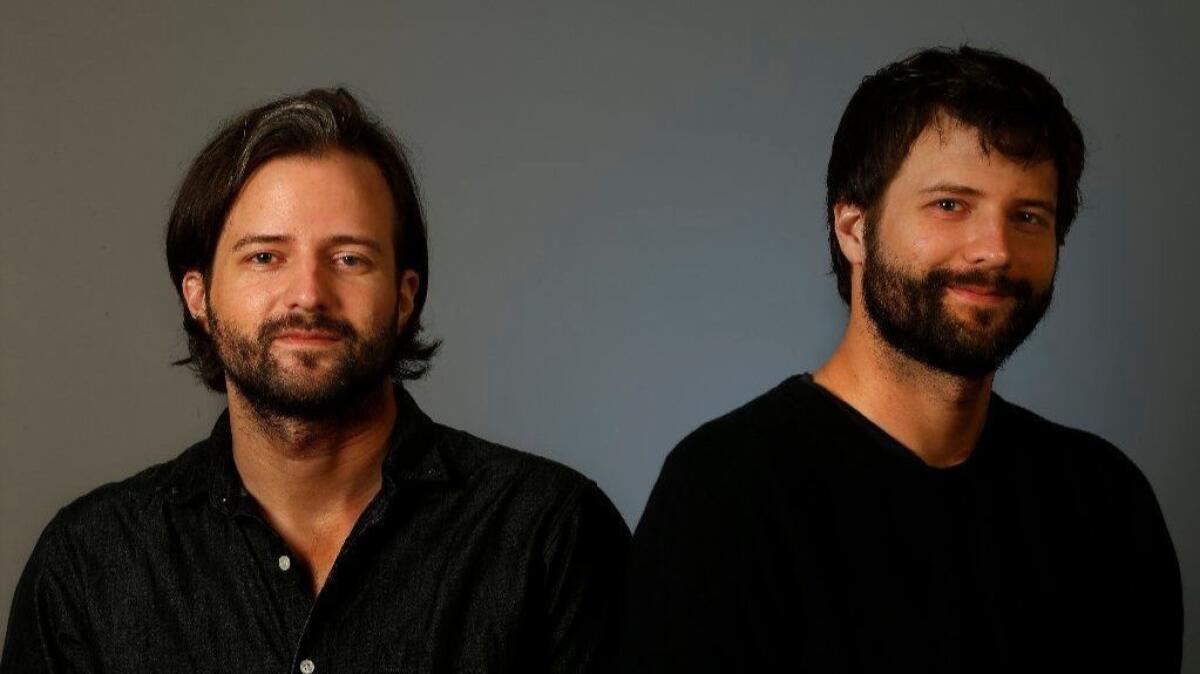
{"x": 795, "y": 535}
{"x": 472, "y": 558}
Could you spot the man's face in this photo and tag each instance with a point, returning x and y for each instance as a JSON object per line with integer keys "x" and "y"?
{"x": 302, "y": 302}
{"x": 960, "y": 261}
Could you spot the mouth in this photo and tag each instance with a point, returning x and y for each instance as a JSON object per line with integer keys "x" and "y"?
{"x": 986, "y": 295}
{"x": 307, "y": 338}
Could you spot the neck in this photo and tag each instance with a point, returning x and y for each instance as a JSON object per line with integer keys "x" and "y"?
{"x": 308, "y": 471}
{"x": 937, "y": 416}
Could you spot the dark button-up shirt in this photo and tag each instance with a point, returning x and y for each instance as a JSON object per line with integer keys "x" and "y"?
{"x": 472, "y": 558}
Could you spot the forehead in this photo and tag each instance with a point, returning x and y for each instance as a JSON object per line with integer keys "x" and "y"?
{"x": 304, "y": 196}
{"x": 948, "y": 151}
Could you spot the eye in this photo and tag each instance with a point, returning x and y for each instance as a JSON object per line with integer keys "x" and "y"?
{"x": 351, "y": 260}
{"x": 948, "y": 205}
{"x": 1033, "y": 222}
{"x": 262, "y": 258}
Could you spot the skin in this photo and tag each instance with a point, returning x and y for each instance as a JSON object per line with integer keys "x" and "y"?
{"x": 951, "y": 205}
{"x": 306, "y": 235}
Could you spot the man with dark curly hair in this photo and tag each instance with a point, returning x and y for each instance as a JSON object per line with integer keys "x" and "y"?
{"x": 326, "y": 524}
{"x": 889, "y": 512}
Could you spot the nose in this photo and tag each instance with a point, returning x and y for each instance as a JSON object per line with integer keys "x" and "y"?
{"x": 988, "y": 247}
{"x": 309, "y": 288}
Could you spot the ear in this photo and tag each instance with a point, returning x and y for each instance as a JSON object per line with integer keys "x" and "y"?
{"x": 409, "y": 284}
{"x": 850, "y": 223}
{"x": 195, "y": 295}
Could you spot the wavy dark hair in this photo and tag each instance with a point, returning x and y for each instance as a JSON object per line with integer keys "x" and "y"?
{"x": 1016, "y": 110}
{"x": 311, "y": 124}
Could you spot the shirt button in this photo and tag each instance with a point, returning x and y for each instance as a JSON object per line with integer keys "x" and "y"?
{"x": 285, "y": 563}
{"x": 307, "y": 667}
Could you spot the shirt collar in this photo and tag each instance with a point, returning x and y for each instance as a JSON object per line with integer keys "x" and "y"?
{"x": 414, "y": 455}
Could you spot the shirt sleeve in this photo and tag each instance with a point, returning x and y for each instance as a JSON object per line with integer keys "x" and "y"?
{"x": 47, "y": 624}
{"x": 584, "y": 567}
{"x": 693, "y": 601}
{"x": 1147, "y": 589}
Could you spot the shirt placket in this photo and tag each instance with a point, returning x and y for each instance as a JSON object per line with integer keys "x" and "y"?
{"x": 301, "y": 613}
{"x": 282, "y": 571}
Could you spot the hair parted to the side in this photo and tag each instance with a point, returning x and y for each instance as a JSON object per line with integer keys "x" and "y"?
{"x": 311, "y": 124}
{"x": 1015, "y": 109}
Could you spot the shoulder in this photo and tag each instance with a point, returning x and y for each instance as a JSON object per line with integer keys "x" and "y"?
{"x": 732, "y": 470}
{"x": 721, "y": 488}
{"x": 1048, "y": 437}
{"x": 119, "y": 508}
{"x": 476, "y": 460}
{"x": 99, "y": 527}
{"x": 526, "y": 490}
{"x": 752, "y": 438}
{"x": 1073, "y": 454}
{"x": 1101, "y": 491}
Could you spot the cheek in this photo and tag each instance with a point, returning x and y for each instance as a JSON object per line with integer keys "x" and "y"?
{"x": 1040, "y": 263}
{"x": 376, "y": 305}
{"x": 929, "y": 249}
{"x": 390, "y": 308}
{"x": 922, "y": 247}
{"x": 240, "y": 301}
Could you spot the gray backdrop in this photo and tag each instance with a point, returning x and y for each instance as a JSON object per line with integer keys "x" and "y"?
{"x": 626, "y": 213}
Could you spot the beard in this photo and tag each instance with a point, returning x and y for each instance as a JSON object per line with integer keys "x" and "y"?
{"x": 911, "y": 315}
{"x": 304, "y": 392}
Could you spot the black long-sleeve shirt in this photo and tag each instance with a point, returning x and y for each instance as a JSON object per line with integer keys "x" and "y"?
{"x": 794, "y": 535}
{"x": 472, "y": 558}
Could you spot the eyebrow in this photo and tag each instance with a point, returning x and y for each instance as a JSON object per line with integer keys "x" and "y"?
{"x": 954, "y": 188}
{"x": 339, "y": 240}
{"x": 251, "y": 239}
{"x": 348, "y": 239}
{"x": 1038, "y": 203}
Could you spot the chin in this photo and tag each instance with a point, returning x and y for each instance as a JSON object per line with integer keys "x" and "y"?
{"x": 982, "y": 319}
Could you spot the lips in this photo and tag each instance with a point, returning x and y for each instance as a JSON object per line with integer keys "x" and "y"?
{"x": 983, "y": 294}
{"x": 312, "y": 331}
{"x": 313, "y": 337}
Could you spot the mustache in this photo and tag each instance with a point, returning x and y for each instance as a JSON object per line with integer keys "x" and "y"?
{"x": 322, "y": 322}
{"x": 992, "y": 281}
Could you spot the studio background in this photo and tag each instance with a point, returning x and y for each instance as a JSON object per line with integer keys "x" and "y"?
{"x": 626, "y": 217}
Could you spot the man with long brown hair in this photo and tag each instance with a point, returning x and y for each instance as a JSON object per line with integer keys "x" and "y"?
{"x": 327, "y": 524}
